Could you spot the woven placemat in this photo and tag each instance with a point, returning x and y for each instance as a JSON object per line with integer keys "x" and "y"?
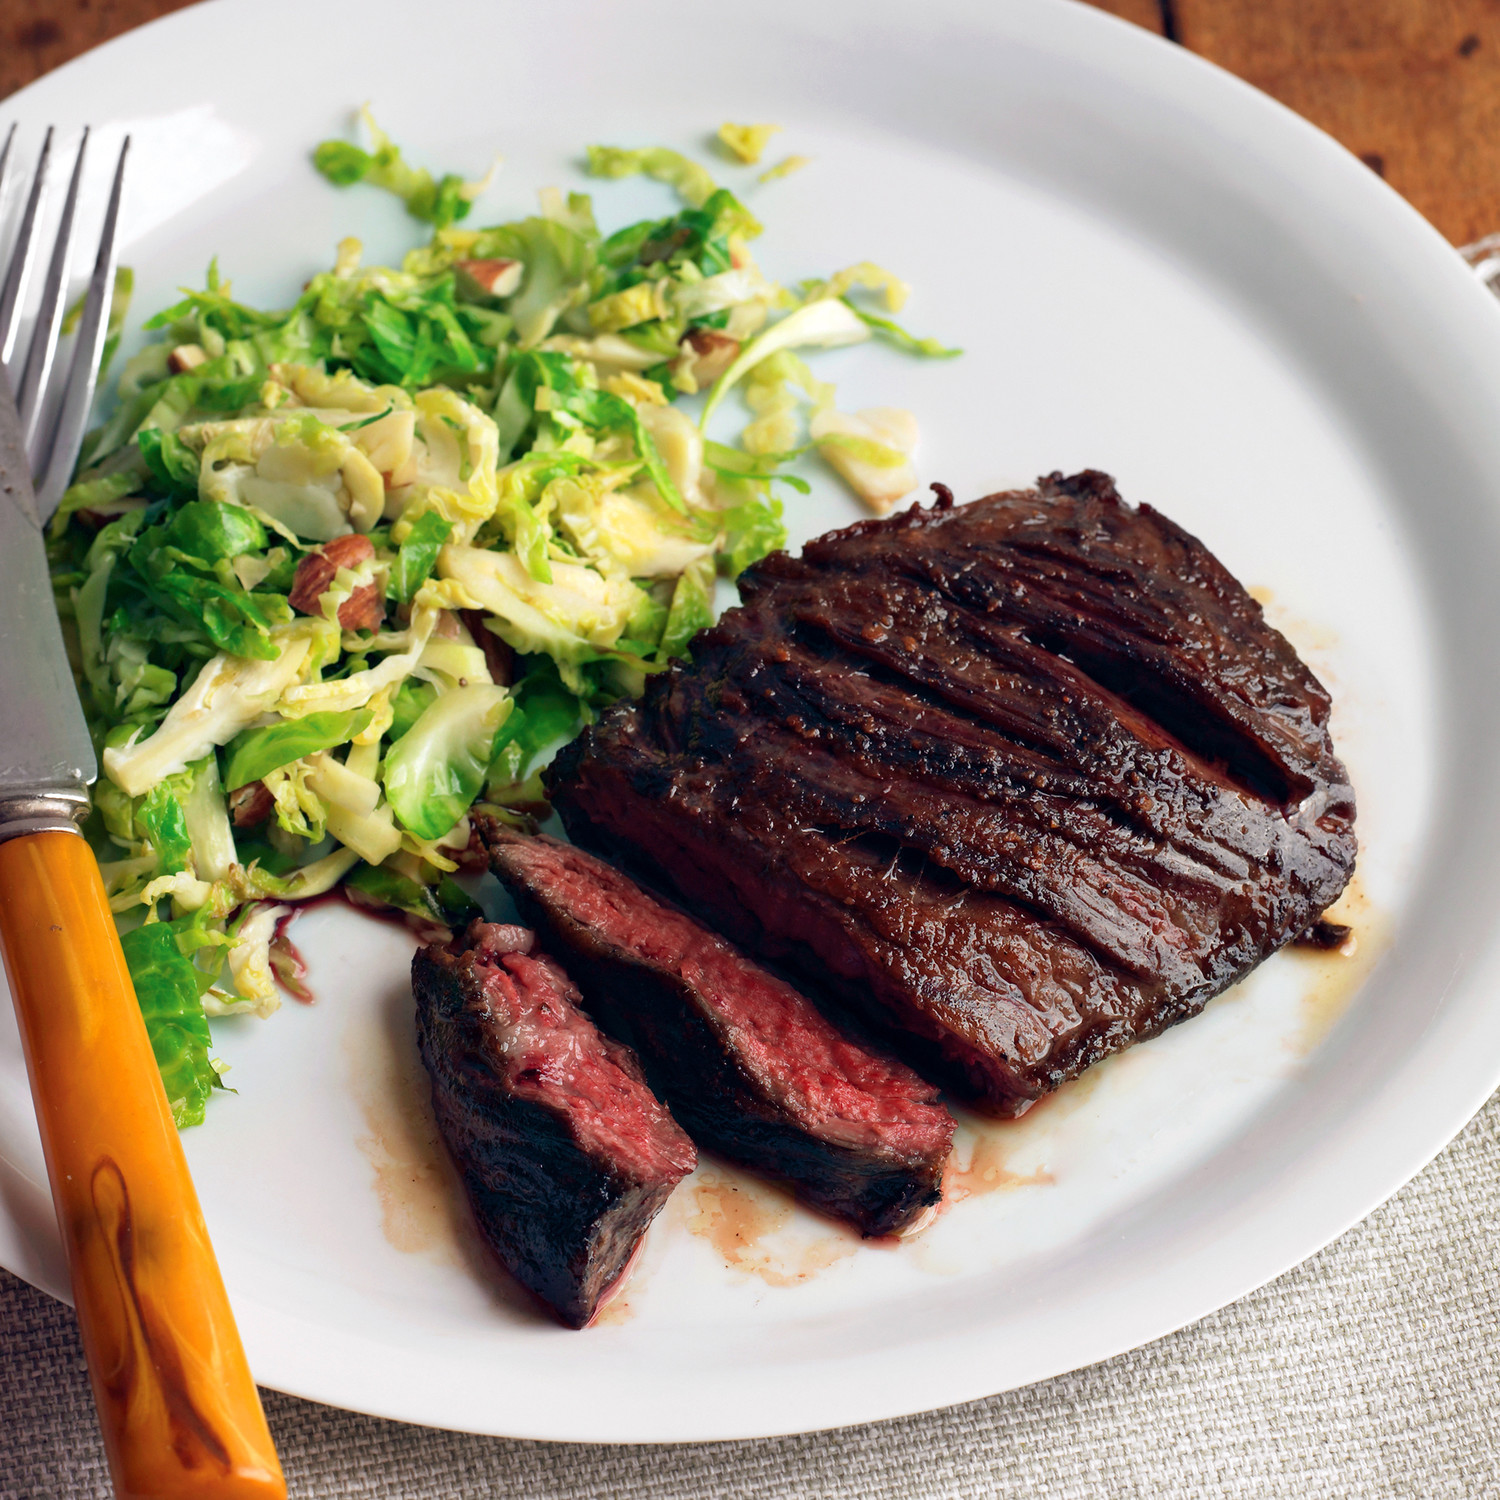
{"x": 1371, "y": 1370}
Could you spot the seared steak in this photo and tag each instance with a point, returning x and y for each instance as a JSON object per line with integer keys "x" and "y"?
{"x": 751, "y": 1068}
{"x": 565, "y": 1153}
{"x": 1020, "y": 782}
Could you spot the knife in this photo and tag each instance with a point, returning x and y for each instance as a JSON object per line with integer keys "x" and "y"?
{"x": 177, "y": 1405}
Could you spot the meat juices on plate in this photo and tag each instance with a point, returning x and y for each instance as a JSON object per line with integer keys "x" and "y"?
{"x": 1018, "y": 782}
{"x": 566, "y": 1155}
{"x": 750, "y": 1067}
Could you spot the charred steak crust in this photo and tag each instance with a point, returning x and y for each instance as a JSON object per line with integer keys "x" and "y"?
{"x": 1020, "y": 782}
{"x": 565, "y": 1154}
{"x": 750, "y": 1067}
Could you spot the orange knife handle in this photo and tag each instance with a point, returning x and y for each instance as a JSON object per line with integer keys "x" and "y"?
{"x": 177, "y": 1404}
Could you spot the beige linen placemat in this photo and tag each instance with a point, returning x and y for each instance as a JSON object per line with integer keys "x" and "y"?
{"x": 1371, "y": 1370}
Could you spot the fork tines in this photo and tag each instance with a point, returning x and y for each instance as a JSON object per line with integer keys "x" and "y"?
{"x": 52, "y": 427}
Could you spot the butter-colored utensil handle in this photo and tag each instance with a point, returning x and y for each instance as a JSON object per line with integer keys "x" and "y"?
{"x": 177, "y": 1405}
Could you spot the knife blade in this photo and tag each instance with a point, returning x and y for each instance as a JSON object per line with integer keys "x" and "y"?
{"x": 47, "y": 759}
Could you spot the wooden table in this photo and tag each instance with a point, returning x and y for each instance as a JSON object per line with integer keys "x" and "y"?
{"x": 1410, "y": 86}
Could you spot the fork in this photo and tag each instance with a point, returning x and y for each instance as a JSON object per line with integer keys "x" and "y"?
{"x": 177, "y": 1405}
{"x": 52, "y": 431}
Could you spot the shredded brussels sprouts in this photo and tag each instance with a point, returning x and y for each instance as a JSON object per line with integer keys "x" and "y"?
{"x": 334, "y": 571}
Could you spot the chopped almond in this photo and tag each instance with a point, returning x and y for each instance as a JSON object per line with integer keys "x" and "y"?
{"x": 187, "y": 357}
{"x": 96, "y": 517}
{"x": 316, "y": 571}
{"x": 715, "y": 353}
{"x": 364, "y": 609}
{"x": 494, "y": 278}
{"x": 349, "y": 550}
{"x": 474, "y": 857}
{"x": 498, "y": 656}
{"x": 250, "y": 804}
{"x": 314, "y": 574}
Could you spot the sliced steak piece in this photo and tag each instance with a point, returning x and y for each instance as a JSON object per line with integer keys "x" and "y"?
{"x": 1020, "y": 782}
{"x": 751, "y": 1068}
{"x": 566, "y": 1154}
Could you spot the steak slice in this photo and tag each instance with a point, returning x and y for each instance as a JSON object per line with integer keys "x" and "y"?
{"x": 1020, "y": 782}
{"x": 751, "y": 1068}
{"x": 565, "y": 1153}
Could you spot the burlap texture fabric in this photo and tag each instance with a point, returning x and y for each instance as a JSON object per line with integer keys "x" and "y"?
{"x": 1371, "y": 1370}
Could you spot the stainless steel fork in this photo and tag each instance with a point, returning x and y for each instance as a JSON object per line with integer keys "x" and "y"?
{"x": 53, "y": 424}
{"x": 177, "y": 1405}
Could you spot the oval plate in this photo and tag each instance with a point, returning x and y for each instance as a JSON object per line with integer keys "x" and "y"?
{"x": 1154, "y": 270}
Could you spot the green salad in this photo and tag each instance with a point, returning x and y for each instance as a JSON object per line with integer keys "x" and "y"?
{"x": 334, "y": 572}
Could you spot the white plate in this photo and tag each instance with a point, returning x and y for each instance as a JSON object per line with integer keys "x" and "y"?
{"x": 1155, "y": 271}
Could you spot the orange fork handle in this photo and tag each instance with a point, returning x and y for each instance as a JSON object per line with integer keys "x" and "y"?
{"x": 177, "y": 1405}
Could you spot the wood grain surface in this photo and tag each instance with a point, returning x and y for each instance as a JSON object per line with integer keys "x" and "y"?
{"x": 1410, "y": 86}
{"x": 39, "y": 35}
